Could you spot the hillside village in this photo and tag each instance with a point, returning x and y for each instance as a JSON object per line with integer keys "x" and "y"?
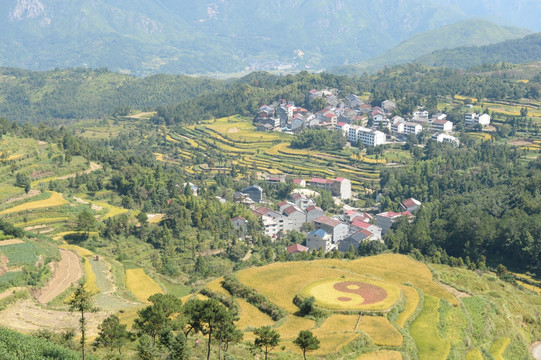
{"x": 329, "y": 232}
{"x": 362, "y": 125}
{"x": 360, "y": 122}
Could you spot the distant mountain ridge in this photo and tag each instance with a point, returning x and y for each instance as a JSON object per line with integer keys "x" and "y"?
{"x": 516, "y": 51}
{"x": 464, "y": 33}
{"x": 143, "y": 37}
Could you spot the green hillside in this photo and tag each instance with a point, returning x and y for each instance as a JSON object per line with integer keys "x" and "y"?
{"x": 84, "y": 93}
{"x": 517, "y": 51}
{"x": 473, "y": 32}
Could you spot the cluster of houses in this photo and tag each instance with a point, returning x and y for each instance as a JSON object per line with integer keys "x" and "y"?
{"x": 359, "y": 121}
{"x": 331, "y": 232}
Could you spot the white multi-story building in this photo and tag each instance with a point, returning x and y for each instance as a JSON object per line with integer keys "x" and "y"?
{"x": 365, "y": 136}
{"x": 474, "y": 119}
{"x": 442, "y": 125}
{"x": 446, "y": 138}
{"x": 412, "y": 128}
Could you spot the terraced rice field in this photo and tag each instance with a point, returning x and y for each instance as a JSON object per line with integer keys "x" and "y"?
{"x": 54, "y": 200}
{"x": 141, "y": 285}
{"x": 270, "y": 152}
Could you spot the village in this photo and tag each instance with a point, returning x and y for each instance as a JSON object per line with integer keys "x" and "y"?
{"x": 362, "y": 125}
{"x": 360, "y": 122}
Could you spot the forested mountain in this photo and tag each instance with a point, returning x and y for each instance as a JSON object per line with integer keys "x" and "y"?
{"x": 148, "y": 36}
{"x": 517, "y": 51}
{"x": 473, "y": 32}
{"x": 82, "y": 94}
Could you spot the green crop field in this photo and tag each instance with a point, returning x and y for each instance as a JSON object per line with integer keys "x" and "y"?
{"x": 425, "y": 332}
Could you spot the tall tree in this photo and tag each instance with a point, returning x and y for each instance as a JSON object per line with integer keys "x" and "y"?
{"x": 82, "y": 302}
{"x": 157, "y": 317}
{"x": 267, "y": 338}
{"x": 112, "y": 333}
{"x": 86, "y": 221}
{"x": 306, "y": 341}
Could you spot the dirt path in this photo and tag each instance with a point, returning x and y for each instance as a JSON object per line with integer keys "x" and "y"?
{"x": 67, "y": 272}
{"x": 30, "y": 194}
{"x": 455, "y": 292}
{"x": 93, "y": 167}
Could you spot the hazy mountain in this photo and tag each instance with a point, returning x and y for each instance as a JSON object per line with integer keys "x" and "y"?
{"x": 518, "y": 51}
{"x": 207, "y": 36}
{"x": 465, "y": 33}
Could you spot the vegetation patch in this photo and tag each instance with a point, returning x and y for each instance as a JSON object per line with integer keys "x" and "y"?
{"x": 141, "y": 285}
{"x": 424, "y": 331}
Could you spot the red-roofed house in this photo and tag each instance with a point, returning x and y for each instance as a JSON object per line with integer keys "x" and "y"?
{"x": 296, "y": 248}
{"x": 410, "y": 205}
{"x": 299, "y": 182}
{"x": 361, "y": 225}
{"x": 295, "y": 217}
{"x": 313, "y": 212}
{"x": 341, "y": 187}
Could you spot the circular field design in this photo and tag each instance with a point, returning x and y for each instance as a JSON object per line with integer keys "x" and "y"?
{"x": 353, "y": 294}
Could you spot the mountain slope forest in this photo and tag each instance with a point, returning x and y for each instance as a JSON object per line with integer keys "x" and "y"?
{"x": 517, "y": 51}
{"x": 149, "y": 36}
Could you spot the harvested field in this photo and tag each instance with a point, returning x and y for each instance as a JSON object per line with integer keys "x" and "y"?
{"x": 27, "y": 317}
{"x": 66, "y": 272}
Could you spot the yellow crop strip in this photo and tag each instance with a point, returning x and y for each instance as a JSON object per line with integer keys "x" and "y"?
{"x": 90, "y": 282}
{"x": 290, "y": 329}
{"x": 381, "y": 355}
{"x": 82, "y": 252}
{"x": 410, "y": 305}
{"x": 141, "y": 285}
{"x": 54, "y": 200}
{"x": 380, "y": 330}
{"x": 474, "y": 354}
{"x": 251, "y": 316}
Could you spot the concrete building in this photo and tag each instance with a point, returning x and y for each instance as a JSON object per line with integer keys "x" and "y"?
{"x": 296, "y": 249}
{"x": 341, "y": 187}
{"x": 240, "y": 224}
{"x": 295, "y": 217}
{"x": 337, "y": 229}
{"x": 446, "y": 138}
{"x": 472, "y": 119}
{"x": 410, "y": 205}
{"x": 302, "y": 201}
{"x": 366, "y": 136}
{"x": 355, "y": 239}
{"x": 412, "y": 128}
{"x": 386, "y": 219}
{"x": 314, "y": 212}
{"x": 319, "y": 239}
{"x": 442, "y": 125}
{"x": 255, "y": 192}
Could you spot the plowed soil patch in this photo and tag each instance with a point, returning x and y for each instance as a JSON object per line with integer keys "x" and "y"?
{"x": 66, "y": 272}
